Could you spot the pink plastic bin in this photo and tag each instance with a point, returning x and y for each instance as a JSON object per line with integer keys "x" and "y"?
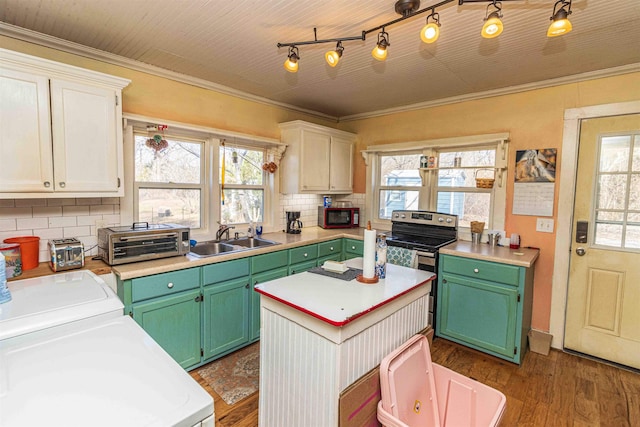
{"x": 416, "y": 392}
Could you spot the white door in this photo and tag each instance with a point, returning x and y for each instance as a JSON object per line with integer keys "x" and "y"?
{"x": 25, "y": 133}
{"x": 603, "y": 298}
{"x": 85, "y": 144}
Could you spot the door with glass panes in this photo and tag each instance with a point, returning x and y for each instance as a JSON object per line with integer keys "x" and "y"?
{"x": 603, "y": 299}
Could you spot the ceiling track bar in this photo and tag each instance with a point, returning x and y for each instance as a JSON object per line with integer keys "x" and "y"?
{"x": 387, "y": 24}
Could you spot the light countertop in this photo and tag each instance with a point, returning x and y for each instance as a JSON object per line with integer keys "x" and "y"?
{"x": 522, "y": 257}
{"x": 308, "y": 236}
{"x": 338, "y": 302}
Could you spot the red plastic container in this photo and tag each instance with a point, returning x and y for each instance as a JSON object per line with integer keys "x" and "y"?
{"x": 29, "y": 250}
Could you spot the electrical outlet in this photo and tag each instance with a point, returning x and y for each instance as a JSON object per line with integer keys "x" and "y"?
{"x": 544, "y": 225}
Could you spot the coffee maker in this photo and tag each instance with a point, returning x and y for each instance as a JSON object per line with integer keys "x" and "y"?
{"x": 294, "y": 225}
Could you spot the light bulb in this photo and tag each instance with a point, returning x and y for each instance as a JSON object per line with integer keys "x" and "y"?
{"x": 379, "y": 52}
{"x": 493, "y": 27}
{"x": 559, "y": 27}
{"x": 430, "y": 33}
{"x": 332, "y": 57}
{"x": 291, "y": 65}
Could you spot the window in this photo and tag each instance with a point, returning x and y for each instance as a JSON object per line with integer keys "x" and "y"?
{"x": 169, "y": 182}
{"x": 399, "y": 183}
{"x": 449, "y": 187}
{"x": 617, "y": 207}
{"x": 242, "y": 183}
{"x": 456, "y": 192}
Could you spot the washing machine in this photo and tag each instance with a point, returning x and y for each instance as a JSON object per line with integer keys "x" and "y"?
{"x": 69, "y": 357}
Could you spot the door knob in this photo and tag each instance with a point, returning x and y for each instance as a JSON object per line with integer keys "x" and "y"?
{"x": 580, "y": 251}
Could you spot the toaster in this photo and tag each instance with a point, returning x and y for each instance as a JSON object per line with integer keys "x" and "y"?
{"x": 66, "y": 254}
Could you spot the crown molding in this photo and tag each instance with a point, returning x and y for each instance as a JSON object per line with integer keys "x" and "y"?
{"x": 40, "y": 39}
{"x": 576, "y": 78}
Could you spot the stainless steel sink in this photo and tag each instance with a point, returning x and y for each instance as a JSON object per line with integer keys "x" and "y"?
{"x": 211, "y": 248}
{"x": 219, "y": 247}
{"x": 251, "y": 242}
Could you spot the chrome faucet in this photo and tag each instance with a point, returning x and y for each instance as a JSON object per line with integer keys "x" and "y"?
{"x": 224, "y": 229}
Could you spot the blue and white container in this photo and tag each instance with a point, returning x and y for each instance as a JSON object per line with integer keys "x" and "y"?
{"x": 5, "y": 295}
{"x": 381, "y": 256}
{"x": 326, "y": 201}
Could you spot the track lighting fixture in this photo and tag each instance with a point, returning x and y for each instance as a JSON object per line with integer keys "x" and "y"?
{"x": 560, "y": 23}
{"x": 333, "y": 56}
{"x": 431, "y": 31}
{"x": 380, "y": 51}
{"x": 493, "y": 25}
{"x": 291, "y": 64}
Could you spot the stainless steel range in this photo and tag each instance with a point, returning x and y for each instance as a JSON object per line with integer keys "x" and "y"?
{"x": 425, "y": 232}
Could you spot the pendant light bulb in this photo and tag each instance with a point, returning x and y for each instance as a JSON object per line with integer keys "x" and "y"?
{"x": 431, "y": 31}
{"x": 291, "y": 64}
{"x": 493, "y": 25}
{"x": 380, "y": 51}
{"x": 560, "y": 23}
{"x": 333, "y": 56}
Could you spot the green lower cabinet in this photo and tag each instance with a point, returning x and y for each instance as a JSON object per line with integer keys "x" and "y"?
{"x": 174, "y": 323}
{"x": 226, "y": 316}
{"x": 254, "y": 306}
{"x": 485, "y": 305}
{"x": 353, "y": 248}
{"x": 480, "y": 314}
{"x": 302, "y": 266}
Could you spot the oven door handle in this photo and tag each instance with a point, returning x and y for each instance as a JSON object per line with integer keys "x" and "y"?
{"x": 146, "y": 237}
{"x": 426, "y": 254}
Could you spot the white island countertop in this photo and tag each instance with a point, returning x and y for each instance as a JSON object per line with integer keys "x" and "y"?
{"x": 339, "y": 302}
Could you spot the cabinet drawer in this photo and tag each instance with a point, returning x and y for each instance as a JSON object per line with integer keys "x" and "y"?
{"x": 269, "y": 261}
{"x": 224, "y": 271}
{"x": 164, "y": 284}
{"x": 484, "y": 270}
{"x": 302, "y": 267}
{"x": 329, "y": 248}
{"x": 303, "y": 253}
{"x": 354, "y": 247}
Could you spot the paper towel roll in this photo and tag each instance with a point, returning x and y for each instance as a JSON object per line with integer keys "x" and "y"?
{"x": 369, "y": 255}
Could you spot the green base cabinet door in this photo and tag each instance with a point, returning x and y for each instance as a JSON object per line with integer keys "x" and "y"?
{"x": 353, "y": 248}
{"x": 254, "y": 320}
{"x": 479, "y": 314}
{"x": 174, "y": 323}
{"x": 226, "y": 316}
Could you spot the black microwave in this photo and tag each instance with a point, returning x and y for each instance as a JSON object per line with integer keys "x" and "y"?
{"x": 338, "y": 217}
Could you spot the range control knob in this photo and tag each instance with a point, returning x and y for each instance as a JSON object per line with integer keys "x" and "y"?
{"x": 440, "y": 219}
{"x": 449, "y": 220}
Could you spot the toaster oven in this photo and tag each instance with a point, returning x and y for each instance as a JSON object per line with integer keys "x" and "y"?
{"x": 142, "y": 242}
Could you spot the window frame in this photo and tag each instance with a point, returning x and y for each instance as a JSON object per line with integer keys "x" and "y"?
{"x": 137, "y": 185}
{"x": 213, "y": 136}
{"x": 264, "y": 187}
{"x": 430, "y": 188}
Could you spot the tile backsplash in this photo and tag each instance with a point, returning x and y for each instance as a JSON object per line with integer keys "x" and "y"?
{"x": 308, "y": 204}
{"x": 58, "y": 218}
{"x": 79, "y": 218}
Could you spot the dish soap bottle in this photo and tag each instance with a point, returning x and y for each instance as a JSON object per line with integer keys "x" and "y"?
{"x": 381, "y": 256}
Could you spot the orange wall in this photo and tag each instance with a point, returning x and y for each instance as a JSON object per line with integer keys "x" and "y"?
{"x": 534, "y": 119}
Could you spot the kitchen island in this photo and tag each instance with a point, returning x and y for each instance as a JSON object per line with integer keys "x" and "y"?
{"x": 320, "y": 334}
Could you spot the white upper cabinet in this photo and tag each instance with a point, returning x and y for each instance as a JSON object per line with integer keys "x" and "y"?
{"x": 60, "y": 130}
{"x": 318, "y": 159}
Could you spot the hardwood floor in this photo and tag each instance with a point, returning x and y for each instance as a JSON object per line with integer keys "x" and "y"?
{"x": 556, "y": 390}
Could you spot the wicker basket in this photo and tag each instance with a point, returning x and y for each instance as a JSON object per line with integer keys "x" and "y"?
{"x": 484, "y": 182}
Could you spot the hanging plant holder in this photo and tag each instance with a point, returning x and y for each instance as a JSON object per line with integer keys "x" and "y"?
{"x": 157, "y": 141}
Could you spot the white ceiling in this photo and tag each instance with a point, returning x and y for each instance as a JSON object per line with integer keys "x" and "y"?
{"x": 232, "y": 44}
